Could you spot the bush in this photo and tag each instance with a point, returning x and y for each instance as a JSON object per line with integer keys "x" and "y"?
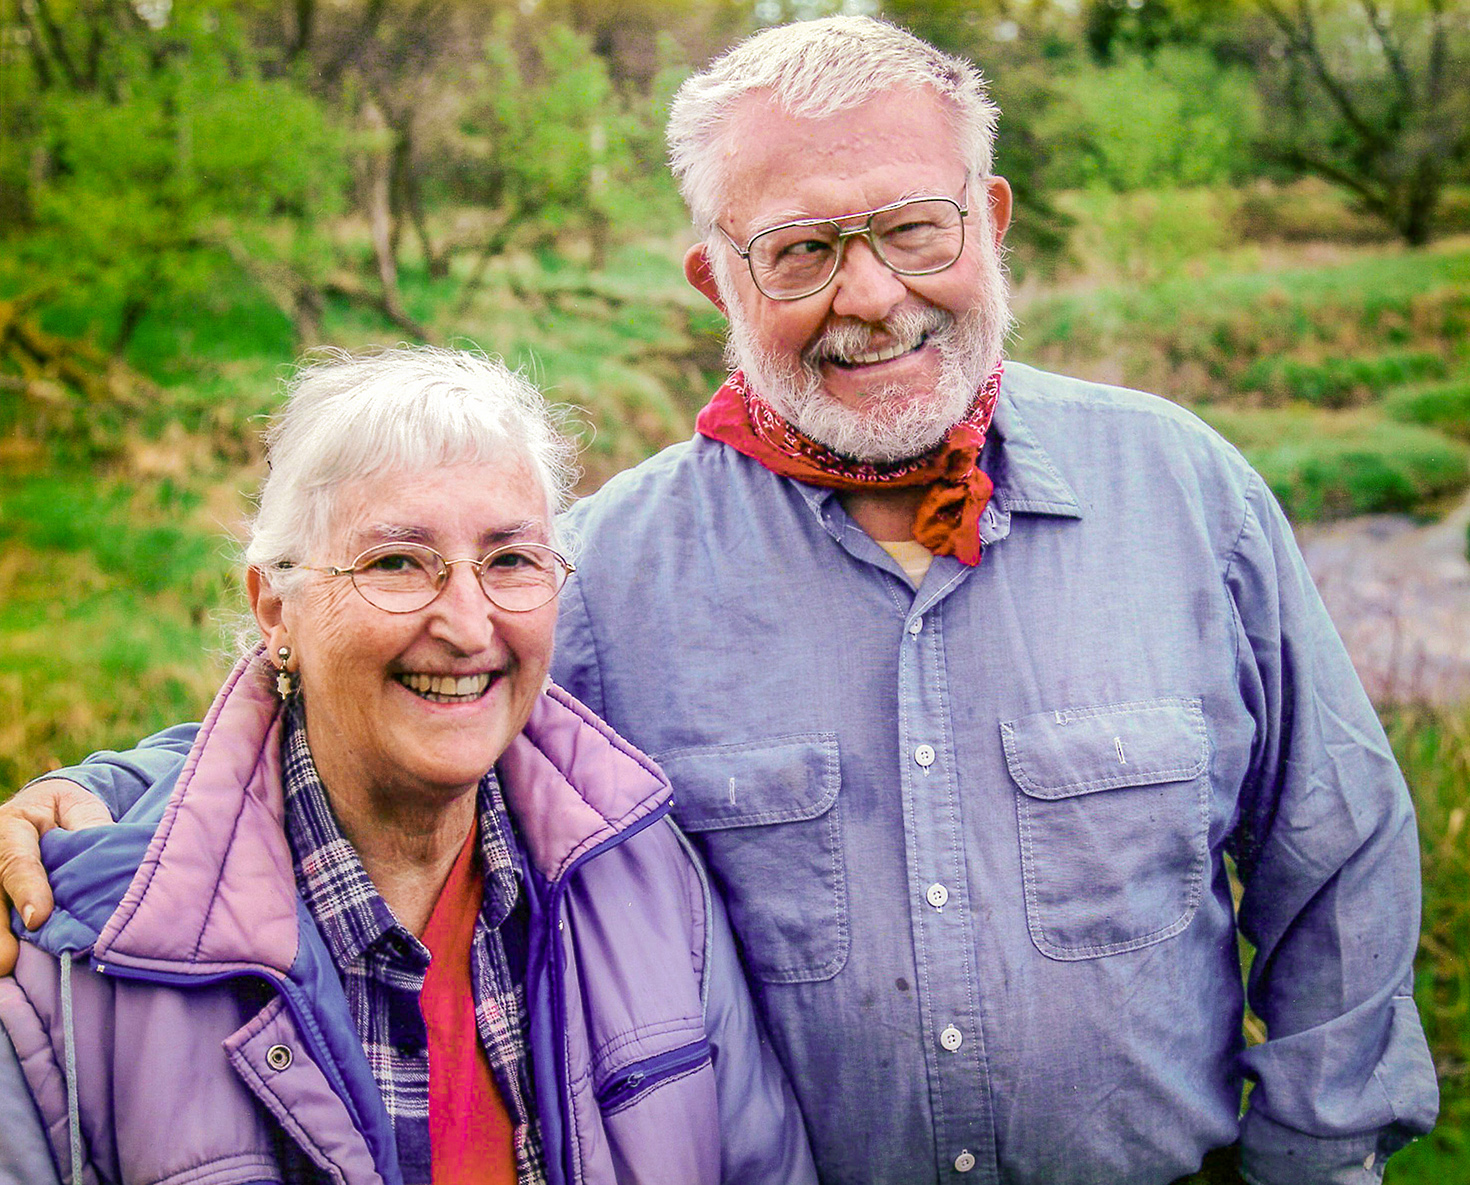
{"x": 1338, "y": 382}
{"x": 1177, "y": 118}
{"x": 1445, "y": 406}
{"x": 1324, "y": 465}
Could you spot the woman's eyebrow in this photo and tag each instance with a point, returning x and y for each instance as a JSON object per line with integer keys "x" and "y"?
{"x": 510, "y": 533}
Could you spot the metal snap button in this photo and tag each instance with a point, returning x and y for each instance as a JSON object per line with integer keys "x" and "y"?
{"x": 278, "y": 1057}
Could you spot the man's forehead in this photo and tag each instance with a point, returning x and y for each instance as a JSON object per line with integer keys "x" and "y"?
{"x": 780, "y": 167}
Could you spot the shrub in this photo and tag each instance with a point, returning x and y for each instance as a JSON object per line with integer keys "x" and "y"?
{"x": 1333, "y": 464}
{"x": 1337, "y": 382}
{"x": 1445, "y": 406}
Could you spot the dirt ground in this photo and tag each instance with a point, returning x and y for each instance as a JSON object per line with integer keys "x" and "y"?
{"x": 1399, "y": 593}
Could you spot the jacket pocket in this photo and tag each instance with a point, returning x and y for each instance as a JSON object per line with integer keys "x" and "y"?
{"x": 1113, "y": 812}
{"x": 765, "y": 817}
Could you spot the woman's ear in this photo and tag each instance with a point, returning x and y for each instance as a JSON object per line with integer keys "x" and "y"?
{"x": 265, "y": 603}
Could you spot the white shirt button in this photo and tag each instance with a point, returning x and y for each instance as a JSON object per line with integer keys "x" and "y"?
{"x": 964, "y": 1162}
{"x": 916, "y": 626}
{"x": 951, "y": 1038}
{"x": 924, "y": 755}
{"x": 937, "y": 896}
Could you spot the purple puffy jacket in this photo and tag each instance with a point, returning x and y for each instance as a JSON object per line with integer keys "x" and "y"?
{"x": 206, "y": 1019}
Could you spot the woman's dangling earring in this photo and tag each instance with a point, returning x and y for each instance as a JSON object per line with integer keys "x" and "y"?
{"x": 288, "y": 682}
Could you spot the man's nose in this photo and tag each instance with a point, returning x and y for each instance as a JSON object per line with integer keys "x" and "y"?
{"x": 865, "y": 286}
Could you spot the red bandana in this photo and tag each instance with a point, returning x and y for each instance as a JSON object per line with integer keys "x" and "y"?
{"x": 948, "y": 521}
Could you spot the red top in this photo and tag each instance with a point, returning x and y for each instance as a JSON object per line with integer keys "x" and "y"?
{"x": 470, "y": 1132}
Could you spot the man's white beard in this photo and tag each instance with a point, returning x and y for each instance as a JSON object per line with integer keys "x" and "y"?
{"x": 890, "y": 426}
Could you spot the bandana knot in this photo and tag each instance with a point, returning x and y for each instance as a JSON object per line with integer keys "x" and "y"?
{"x": 958, "y": 490}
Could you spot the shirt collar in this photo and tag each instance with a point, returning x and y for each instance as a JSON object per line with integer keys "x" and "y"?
{"x": 1026, "y": 480}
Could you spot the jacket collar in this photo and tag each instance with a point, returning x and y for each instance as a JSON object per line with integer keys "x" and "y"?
{"x": 215, "y": 892}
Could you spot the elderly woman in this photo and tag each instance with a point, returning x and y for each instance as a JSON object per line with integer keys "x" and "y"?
{"x": 407, "y": 912}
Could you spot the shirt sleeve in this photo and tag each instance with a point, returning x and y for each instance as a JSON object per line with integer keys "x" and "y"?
{"x": 121, "y": 779}
{"x": 1328, "y": 854}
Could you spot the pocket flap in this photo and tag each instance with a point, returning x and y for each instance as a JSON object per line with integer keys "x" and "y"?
{"x": 785, "y": 780}
{"x": 1070, "y": 751}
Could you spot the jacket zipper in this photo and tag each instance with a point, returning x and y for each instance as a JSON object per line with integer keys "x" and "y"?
{"x": 641, "y": 1076}
{"x": 558, "y": 988}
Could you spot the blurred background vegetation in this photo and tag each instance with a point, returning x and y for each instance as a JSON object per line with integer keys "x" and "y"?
{"x": 1260, "y": 208}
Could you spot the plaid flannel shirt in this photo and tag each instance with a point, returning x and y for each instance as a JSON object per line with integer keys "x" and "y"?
{"x": 382, "y": 964}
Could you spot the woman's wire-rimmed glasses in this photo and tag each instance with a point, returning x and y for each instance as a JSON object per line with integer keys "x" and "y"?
{"x": 914, "y": 237}
{"x": 407, "y": 577}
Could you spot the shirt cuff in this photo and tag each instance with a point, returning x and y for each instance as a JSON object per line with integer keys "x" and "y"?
{"x": 1271, "y": 1154}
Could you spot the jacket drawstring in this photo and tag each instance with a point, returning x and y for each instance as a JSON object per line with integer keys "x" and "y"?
{"x": 69, "y": 1040}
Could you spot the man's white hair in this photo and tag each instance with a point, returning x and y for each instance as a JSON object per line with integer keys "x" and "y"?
{"x": 350, "y": 418}
{"x": 814, "y": 69}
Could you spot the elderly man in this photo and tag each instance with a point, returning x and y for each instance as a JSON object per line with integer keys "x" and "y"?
{"x": 970, "y": 682}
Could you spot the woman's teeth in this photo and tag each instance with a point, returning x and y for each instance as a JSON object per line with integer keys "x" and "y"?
{"x": 442, "y": 689}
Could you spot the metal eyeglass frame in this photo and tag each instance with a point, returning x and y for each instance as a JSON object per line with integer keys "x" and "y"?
{"x": 865, "y": 230}
{"x": 567, "y": 568}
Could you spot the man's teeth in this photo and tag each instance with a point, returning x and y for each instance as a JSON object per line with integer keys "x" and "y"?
{"x": 883, "y": 355}
{"x": 447, "y": 687}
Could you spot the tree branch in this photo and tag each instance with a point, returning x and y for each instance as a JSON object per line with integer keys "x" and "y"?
{"x": 1302, "y": 38}
{"x": 1384, "y": 33}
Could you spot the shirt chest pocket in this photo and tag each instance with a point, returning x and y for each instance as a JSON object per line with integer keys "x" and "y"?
{"x": 766, "y": 818}
{"x": 1113, "y": 809}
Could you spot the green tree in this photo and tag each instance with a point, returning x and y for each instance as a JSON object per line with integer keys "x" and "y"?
{"x": 1371, "y": 96}
{"x": 160, "y": 165}
{"x": 1172, "y": 118}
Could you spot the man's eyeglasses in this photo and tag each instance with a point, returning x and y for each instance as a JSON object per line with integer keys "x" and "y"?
{"x": 406, "y": 577}
{"x": 797, "y": 259}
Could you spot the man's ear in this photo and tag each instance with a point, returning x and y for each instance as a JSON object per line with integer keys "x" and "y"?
{"x": 998, "y": 194}
{"x": 701, "y": 275}
{"x": 265, "y": 603}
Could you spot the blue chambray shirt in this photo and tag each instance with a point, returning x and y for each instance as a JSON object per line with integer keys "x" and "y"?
{"x": 973, "y": 838}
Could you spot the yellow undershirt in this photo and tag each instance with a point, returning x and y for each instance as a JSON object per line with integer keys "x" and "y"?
{"x": 912, "y": 556}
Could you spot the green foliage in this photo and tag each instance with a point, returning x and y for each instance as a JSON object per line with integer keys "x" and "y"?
{"x": 1177, "y": 118}
{"x": 556, "y": 146}
{"x": 1370, "y": 97}
{"x": 1338, "y": 382}
{"x": 1445, "y": 406}
{"x": 1333, "y": 464}
{"x": 1433, "y": 749}
{"x": 179, "y": 171}
{"x": 1149, "y": 235}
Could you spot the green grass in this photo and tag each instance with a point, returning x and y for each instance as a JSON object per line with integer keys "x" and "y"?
{"x": 1434, "y": 751}
{"x": 112, "y": 602}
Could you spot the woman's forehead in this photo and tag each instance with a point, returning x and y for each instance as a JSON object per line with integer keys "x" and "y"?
{"x": 478, "y": 502}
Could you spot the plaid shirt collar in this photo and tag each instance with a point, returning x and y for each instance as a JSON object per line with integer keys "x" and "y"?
{"x": 382, "y": 964}
{"x": 347, "y": 907}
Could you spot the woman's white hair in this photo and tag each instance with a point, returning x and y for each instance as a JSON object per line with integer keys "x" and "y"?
{"x": 350, "y": 418}
{"x": 814, "y": 69}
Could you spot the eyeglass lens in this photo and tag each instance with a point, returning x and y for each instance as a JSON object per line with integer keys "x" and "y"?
{"x": 402, "y": 577}
{"x": 917, "y": 237}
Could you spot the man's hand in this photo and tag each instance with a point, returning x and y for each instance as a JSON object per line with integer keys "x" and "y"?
{"x": 54, "y": 802}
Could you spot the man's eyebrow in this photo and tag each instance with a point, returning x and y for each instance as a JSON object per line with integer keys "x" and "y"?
{"x": 785, "y": 217}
